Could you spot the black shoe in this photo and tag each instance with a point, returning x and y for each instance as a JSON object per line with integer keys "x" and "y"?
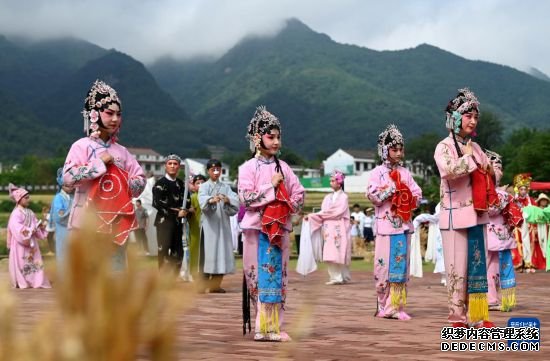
{"x": 217, "y": 290}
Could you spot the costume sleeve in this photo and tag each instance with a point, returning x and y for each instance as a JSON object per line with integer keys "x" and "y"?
{"x": 232, "y": 207}
{"x": 40, "y": 233}
{"x": 415, "y": 188}
{"x": 495, "y": 210}
{"x": 60, "y": 211}
{"x": 451, "y": 167}
{"x": 204, "y": 198}
{"x": 17, "y": 230}
{"x": 252, "y": 195}
{"x": 380, "y": 187}
{"x": 160, "y": 199}
{"x": 329, "y": 211}
{"x": 136, "y": 177}
{"x": 332, "y": 211}
{"x": 78, "y": 168}
{"x": 295, "y": 191}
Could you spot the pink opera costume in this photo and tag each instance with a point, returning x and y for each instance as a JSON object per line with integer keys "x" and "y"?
{"x": 265, "y": 264}
{"x": 504, "y": 218}
{"x": 85, "y": 167}
{"x": 463, "y": 229}
{"x": 394, "y": 193}
{"x": 333, "y": 221}
{"x": 26, "y": 267}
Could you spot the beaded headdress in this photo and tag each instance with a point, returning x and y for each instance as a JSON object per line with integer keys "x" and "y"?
{"x": 261, "y": 123}
{"x": 522, "y": 180}
{"x": 464, "y": 102}
{"x": 99, "y": 96}
{"x": 390, "y": 137}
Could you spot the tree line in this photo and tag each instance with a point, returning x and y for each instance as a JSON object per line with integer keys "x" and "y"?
{"x": 522, "y": 150}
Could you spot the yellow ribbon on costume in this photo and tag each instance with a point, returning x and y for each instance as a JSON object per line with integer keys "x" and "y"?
{"x": 398, "y": 294}
{"x": 269, "y": 318}
{"x": 478, "y": 307}
{"x": 508, "y": 299}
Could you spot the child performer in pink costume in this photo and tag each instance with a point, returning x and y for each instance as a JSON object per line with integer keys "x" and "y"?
{"x": 265, "y": 264}
{"x": 395, "y": 195}
{"x": 25, "y": 261}
{"x": 89, "y": 158}
{"x": 334, "y": 221}
{"x": 463, "y": 229}
{"x": 504, "y": 218}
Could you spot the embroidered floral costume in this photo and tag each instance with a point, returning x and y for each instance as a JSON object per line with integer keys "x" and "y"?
{"x": 395, "y": 194}
{"x": 265, "y": 264}
{"x": 463, "y": 228}
{"x": 84, "y": 168}
{"x": 25, "y": 261}
{"x": 504, "y": 218}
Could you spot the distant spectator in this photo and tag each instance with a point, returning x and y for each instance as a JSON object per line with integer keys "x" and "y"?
{"x": 50, "y": 228}
{"x": 142, "y": 219}
{"x": 368, "y": 233}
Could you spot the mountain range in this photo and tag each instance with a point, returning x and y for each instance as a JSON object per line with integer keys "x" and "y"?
{"x": 327, "y": 95}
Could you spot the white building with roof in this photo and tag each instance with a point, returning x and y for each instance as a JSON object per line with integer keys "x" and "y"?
{"x": 357, "y": 164}
{"x": 198, "y": 166}
{"x": 351, "y": 162}
{"x": 150, "y": 160}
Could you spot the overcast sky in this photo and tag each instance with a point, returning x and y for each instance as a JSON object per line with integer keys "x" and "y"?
{"x": 509, "y": 32}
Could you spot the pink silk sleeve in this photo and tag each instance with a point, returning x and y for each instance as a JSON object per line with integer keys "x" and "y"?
{"x": 451, "y": 167}
{"x": 136, "y": 177}
{"x": 380, "y": 187}
{"x": 254, "y": 195}
{"x": 329, "y": 211}
{"x": 79, "y": 169}
{"x": 295, "y": 191}
{"x": 17, "y": 230}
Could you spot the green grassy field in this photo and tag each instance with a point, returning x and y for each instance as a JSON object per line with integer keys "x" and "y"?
{"x": 46, "y": 198}
{"x": 357, "y": 265}
{"x": 314, "y": 200}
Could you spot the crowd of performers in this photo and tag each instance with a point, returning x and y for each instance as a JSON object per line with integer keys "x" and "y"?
{"x": 479, "y": 233}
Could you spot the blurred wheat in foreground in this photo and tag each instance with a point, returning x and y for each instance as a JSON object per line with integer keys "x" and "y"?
{"x": 99, "y": 314}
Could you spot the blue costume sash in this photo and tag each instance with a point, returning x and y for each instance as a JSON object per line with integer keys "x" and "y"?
{"x": 398, "y": 258}
{"x": 270, "y": 271}
{"x": 477, "y": 264}
{"x": 507, "y": 275}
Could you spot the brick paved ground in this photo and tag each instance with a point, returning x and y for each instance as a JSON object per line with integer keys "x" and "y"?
{"x": 326, "y": 322}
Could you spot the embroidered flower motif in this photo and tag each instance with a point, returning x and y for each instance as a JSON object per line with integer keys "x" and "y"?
{"x": 94, "y": 116}
{"x": 457, "y": 117}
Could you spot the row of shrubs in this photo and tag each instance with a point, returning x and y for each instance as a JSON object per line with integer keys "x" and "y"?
{"x": 6, "y": 206}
